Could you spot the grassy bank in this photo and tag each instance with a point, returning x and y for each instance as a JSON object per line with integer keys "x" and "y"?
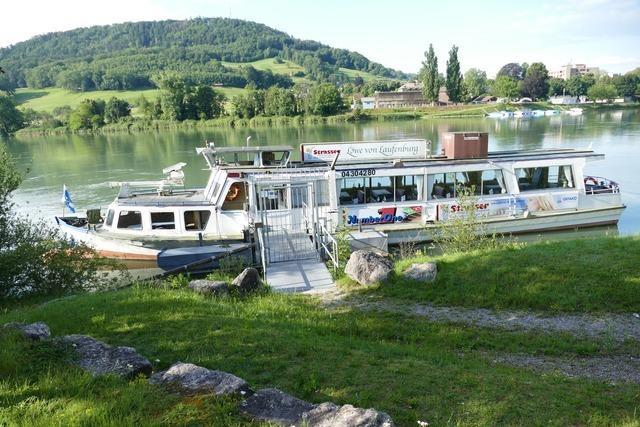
{"x": 410, "y": 368}
{"x": 587, "y": 275}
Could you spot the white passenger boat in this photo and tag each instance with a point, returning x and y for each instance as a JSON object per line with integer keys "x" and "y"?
{"x": 576, "y": 111}
{"x": 394, "y": 189}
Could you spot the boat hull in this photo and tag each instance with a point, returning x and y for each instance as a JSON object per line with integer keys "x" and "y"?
{"x": 533, "y": 223}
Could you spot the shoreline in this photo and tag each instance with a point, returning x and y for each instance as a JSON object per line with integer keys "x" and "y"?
{"x": 138, "y": 125}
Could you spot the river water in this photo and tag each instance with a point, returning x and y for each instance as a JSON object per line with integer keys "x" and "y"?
{"x": 86, "y": 163}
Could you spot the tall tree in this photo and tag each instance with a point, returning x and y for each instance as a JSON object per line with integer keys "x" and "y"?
{"x": 324, "y": 100}
{"x": 512, "y": 70}
{"x": 536, "y": 81}
{"x": 429, "y": 76}
{"x": 453, "y": 83}
{"x": 475, "y": 83}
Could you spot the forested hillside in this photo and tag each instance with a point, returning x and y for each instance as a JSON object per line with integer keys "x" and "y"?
{"x": 127, "y": 56}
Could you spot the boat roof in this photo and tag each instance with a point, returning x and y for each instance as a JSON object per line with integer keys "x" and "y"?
{"x": 255, "y": 149}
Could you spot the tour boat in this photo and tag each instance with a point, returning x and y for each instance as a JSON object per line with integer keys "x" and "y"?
{"x": 395, "y": 190}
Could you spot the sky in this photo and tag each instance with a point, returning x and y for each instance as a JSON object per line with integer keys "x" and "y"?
{"x": 601, "y": 33}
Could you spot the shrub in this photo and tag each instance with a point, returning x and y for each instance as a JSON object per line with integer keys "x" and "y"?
{"x": 34, "y": 259}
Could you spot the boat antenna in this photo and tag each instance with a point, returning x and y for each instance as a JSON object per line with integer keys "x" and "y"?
{"x": 248, "y": 139}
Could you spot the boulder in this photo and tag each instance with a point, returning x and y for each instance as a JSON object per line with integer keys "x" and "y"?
{"x": 35, "y": 331}
{"x": 99, "y": 358}
{"x": 368, "y": 268}
{"x": 248, "y": 280}
{"x": 190, "y": 379}
{"x": 423, "y": 272}
{"x": 274, "y": 406}
{"x": 209, "y": 287}
{"x": 331, "y": 415}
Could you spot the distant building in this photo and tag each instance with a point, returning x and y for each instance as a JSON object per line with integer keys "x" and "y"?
{"x": 414, "y": 86}
{"x": 368, "y": 102}
{"x": 408, "y": 95}
{"x": 567, "y": 100}
{"x": 568, "y": 71}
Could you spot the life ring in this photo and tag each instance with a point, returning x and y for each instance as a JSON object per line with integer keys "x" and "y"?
{"x": 233, "y": 192}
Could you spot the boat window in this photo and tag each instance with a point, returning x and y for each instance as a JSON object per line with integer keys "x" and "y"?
{"x": 131, "y": 220}
{"x": 487, "y": 182}
{"x": 493, "y": 182}
{"x": 380, "y": 189}
{"x": 196, "y": 220}
{"x": 408, "y": 187}
{"x": 322, "y": 193}
{"x": 110, "y": 215}
{"x": 272, "y": 199}
{"x": 299, "y": 196}
{"x": 530, "y": 179}
{"x": 274, "y": 158}
{"x": 236, "y": 197}
{"x": 163, "y": 221}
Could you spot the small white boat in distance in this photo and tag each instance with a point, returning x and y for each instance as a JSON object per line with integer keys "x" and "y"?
{"x": 521, "y": 114}
{"x": 574, "y": 111}
{"x": 551, "y": 112}
{"x": 500, "y": 114}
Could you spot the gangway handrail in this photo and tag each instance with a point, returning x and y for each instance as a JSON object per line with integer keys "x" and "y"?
{"x": 333, "y": 253}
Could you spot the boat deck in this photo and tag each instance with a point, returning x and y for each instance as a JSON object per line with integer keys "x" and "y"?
{"x": 181, "y": 198}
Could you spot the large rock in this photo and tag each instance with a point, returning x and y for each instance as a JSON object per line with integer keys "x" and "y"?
{"x": 331, "y": 415}
{"x": 35, "y": 331}
{"x": 367, "y": 268}
{"x": 274, "y": 406}
{"x": 424, "y": 272}
{"x": 190, "y": 379}
{"x": 209, "y": 287}
{"x": 99, "y": 358}
{"x": 248, "y": 280}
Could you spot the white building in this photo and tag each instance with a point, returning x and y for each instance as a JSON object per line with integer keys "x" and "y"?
{"x": 568, "y": 71}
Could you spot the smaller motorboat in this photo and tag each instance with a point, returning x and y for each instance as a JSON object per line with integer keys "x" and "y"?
{"x": 574, "y": 111}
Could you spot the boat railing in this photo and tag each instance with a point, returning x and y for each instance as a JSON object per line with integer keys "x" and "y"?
{"x": 600, "y": 185}
{"x": 328, "y": 244}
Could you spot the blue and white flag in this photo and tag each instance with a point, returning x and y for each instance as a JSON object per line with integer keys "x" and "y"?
{"x": 66, "y": 199}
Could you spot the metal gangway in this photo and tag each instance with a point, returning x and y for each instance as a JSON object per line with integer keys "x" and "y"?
{"x": 293, "y": 238}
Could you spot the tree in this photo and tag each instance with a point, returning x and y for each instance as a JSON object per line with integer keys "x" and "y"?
{"x": 250, "y": 104}
{"x": 602, "y": 91}
{"x": 475, "y": 83}
{"x": 115, "y": 109}
{"x": 324, "y": 100}
{"x": 454, "y": 82}
{"x": 512, "y": 70}
{"x": 556, "y": 87}
{"x": 626, "y": 85}
{"x": 578, "y": 85}
{"x": 536, "y": 81}
{"x": 11, "y": 118}
{"x": 279, "y": 102}
{"x": 505, "y": 87}
{"x": 89, "y": 114}
{"x": 429, "y": 76}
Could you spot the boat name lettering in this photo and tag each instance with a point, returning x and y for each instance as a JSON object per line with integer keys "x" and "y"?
{"x": 479, "y": 206}
{"x": 317, "y": 151}
{"x": 386, "y": 216}
{"x": 358, "y": 172}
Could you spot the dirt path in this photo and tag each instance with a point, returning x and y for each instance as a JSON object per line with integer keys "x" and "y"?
{"x": 617, "y": 327}
{"x": 612, "y": 369}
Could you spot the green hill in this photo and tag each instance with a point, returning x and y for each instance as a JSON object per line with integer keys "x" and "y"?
{"x": 126, "y": 56}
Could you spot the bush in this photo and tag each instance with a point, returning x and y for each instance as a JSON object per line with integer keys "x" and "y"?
{"x": 34, "y": 259}
{"x": 465, "y": 231}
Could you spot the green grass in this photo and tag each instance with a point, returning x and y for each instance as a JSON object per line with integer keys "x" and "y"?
{"x": 410, "y": 368}
{"x": 49, "y": 98}
{"x": 289, "y": 68}
{"x": 584, "y": 275}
